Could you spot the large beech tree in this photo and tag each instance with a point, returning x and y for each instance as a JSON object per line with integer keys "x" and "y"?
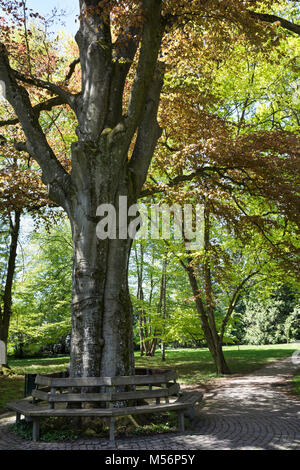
{"x": 116, "y": 138}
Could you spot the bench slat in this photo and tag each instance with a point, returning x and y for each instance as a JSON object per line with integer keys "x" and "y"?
{"x": 33, "y": 410}
{"x": 112, "y": 396}
{"x": 144, "y": 379}
{"x": 40, "y": 395}
{"x": 108, "y": 381}
{"x": 65, "y": 397}
{"x": 73, "y": 381}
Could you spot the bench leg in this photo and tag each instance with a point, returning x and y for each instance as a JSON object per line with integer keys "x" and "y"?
{"x": 112, "y": 430}
{"x": 181, "y": 421}
{"x": 36, "y": 429}
{"x": 18, "y": 417}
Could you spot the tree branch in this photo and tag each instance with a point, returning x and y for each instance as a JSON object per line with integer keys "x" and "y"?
{"x": 95, "y": 50}
{"x": 235, "y": 297}
{"x": 183, "y": 178}
{"x": 294, "y": 28}
{"x": 43, "y": 106}
{"x": 71, "y": 70}
{"x": 150, "y": 44}
{"x": 54, "y": 175}
{"x": 125, "y": 48}
{"x": 65, "y": 96}
{"x": 148, "y": 132}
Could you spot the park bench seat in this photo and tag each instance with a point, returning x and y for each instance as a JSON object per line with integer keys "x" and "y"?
{"x": 116, "y": 396}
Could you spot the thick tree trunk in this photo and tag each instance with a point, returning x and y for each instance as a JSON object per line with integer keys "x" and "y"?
{"x": 5, "y": 309}
{"x": 102, "y": 338}
{"x": 101, "y": 342}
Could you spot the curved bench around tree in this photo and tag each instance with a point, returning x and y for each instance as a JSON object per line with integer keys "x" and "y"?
{"x": 110, "y": 397}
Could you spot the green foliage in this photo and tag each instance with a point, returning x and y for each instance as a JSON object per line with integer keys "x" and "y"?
{"x": 59, "y": 429}
{"x": 184, "y": 327}
{"x": 168, "y": 424}
{"x": 292, "y": 325}
{"x": 29, "y": 331}
{"x": 232, "y": 261}
{"x": 273, "y": 320}
{"x": 24, "y": 430}
{"x": 42, "y": 299}
{"x": 180, "y": 325}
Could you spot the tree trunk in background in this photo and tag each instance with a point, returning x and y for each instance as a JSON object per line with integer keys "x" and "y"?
{"x": 209, "y": 330}
{"x": 102, "y": 319}
{"x": 206, "y": 310}
{"x": 162, "y": 305}
{"x": 148, "y": 342}
{"x": 5, "y": 308}
{"x": 140, "y": 296}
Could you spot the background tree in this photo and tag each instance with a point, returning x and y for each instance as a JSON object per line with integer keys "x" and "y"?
{"x": 153, "y": 302}
{"x": 273, "y": 319}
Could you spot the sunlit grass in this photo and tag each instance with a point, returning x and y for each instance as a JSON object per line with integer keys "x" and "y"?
{"x": 196, "y": 365}
{"x": 12, "y": 387}
{"x": 43, "y": 365}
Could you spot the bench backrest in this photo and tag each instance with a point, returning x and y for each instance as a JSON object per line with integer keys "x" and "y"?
{"x": 120, "y": 388}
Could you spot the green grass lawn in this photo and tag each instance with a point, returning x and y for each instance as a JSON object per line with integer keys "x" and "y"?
{"x": 196, "y": 365}
{"x": 12, "y": 387}
{"x": 192, "y": 365}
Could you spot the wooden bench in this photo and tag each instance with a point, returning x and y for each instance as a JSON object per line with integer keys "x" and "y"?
{"x": 113, "y": 396}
